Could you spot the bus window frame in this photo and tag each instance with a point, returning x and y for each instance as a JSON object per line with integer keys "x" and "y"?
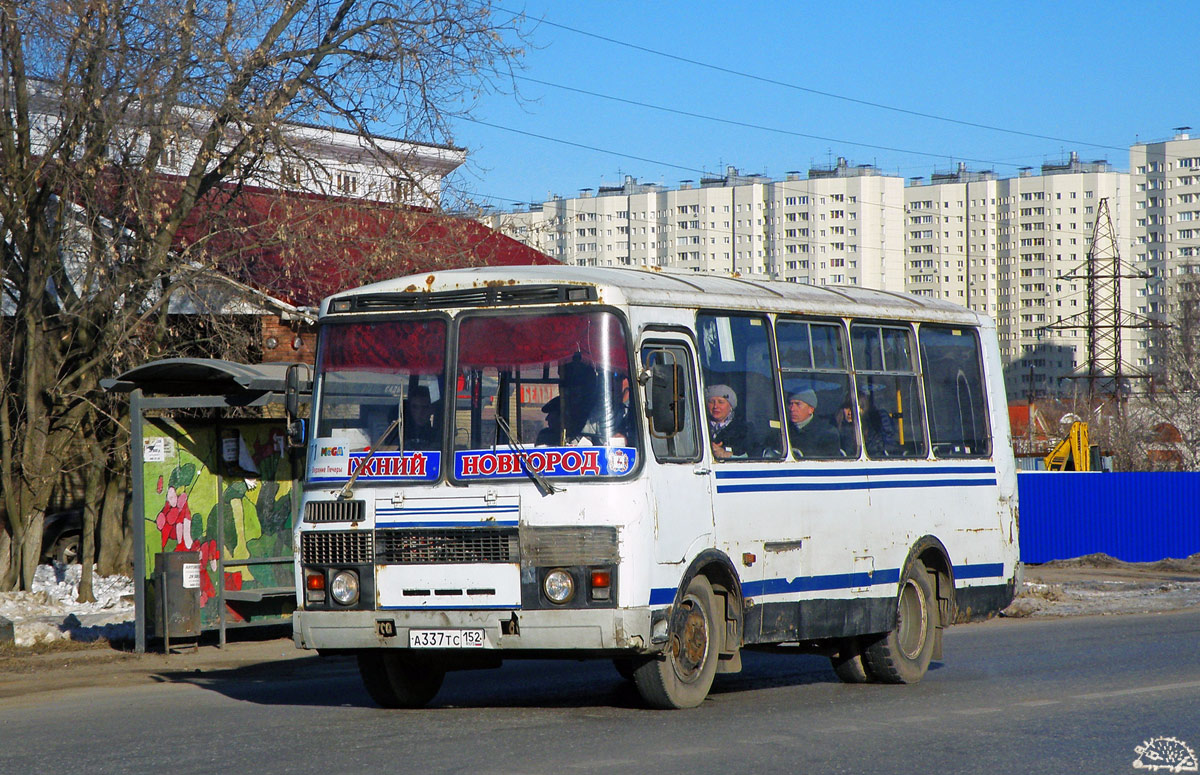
{"x": 780, "y": 429}
{"x": 530, "y": 311}
{"x": 847, "y": 371}
{"x": 910, "y": 326}
{"x": 986, "y": 414}
{"x": 690, "y": 369}
{"x": 319, "y": 381}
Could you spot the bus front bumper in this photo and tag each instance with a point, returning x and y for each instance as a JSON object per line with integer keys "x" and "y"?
{"x": 624, "y": 629}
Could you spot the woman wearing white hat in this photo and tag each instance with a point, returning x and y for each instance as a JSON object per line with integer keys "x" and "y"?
{"x": 729, "y": 434}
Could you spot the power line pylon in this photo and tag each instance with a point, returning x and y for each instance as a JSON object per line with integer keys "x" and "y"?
{"x": 1104, "y": 319}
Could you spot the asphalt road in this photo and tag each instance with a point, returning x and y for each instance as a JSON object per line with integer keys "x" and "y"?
{"x": 1013, "y": 696}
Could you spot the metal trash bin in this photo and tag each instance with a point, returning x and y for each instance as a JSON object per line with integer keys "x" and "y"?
{"x": 177, "y": 586}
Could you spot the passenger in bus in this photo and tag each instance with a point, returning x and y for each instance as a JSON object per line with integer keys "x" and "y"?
{"x": 551, "y": 435}
{"x": 843, "y": 422}
{"x": 809, "y": 435}
{"x": 623, "y": 412}
{"x": 729, "y": 434}
{"x": 879, "y": 428}
{"x": 420, "y": 429}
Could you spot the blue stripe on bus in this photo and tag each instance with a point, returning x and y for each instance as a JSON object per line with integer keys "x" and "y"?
{"x": 820, "y": 583}
{"x": 835, "y": 581}
{"x": 449, "y": 608}
{"x": 774, "y": 473}
{"x": 456, "y": 523}
{"x": 986, "y": 571}
{"x": 453, "y": 510}
{"x": 886, "y": 484}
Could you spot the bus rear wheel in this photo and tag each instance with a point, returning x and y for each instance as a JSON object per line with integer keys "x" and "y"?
{"x": 849, "y": 663}
{"x": 903, "y": 655}
{"x": 397, "y": 680}
{"x": 682, "y": 674}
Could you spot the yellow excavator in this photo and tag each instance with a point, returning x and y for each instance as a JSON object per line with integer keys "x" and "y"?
{"x": 1072, "y": 453}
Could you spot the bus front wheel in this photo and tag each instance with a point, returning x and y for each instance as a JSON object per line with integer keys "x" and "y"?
{"x": 682, "y": 674}
{"x": 904, "y": 654}
{"x": 397, "y": 680}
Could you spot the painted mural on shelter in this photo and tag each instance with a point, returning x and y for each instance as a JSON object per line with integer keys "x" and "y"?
{"x": 225, "y": 493}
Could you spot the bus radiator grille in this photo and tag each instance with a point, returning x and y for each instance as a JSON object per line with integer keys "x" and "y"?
{"x": 333, "y": 511}
{"x": 351, "y": 547}
{"x": 449, "y": 546}
{"x": 545, "y": 546}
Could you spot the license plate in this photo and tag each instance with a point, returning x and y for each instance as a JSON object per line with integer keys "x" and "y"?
{"x": 445, "y": 639}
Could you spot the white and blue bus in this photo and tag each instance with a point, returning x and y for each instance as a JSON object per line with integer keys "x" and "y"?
{"x": 657, "y": 468}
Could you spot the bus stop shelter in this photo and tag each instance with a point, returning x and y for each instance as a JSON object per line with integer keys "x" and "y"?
{"x": 213, "y": 474}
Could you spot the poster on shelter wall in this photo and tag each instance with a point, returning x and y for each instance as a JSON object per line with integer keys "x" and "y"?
{"x": 226, "y": 493}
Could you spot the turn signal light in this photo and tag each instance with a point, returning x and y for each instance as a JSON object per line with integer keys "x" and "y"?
{"x": 314, "y": 587}
{"x": 601, "y": 584}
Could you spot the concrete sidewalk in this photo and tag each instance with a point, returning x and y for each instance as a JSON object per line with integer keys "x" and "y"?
{"x": 99, "y": 664}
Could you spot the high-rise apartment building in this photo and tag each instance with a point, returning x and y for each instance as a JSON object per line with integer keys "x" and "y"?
{"x": 1014, "y": 248}
{"x": 1165, "y": 182}
{"x": 840, "y": 225}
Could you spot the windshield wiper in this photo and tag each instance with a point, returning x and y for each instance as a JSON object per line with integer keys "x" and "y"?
{"x": 544, "y": 486}
{"x": 396, "y": 423}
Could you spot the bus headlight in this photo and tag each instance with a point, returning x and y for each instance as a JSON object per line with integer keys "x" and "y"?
{"x": 343, "y": 588}
{"x": 559, "y": 586}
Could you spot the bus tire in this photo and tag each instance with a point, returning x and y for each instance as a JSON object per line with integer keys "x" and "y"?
{"x": 626, "y": 667}
{"x": 849, "y": 663}
{"x": 398, "y": 680}
{"x": 903, "y": 655}
{"x": 682, "y": 674}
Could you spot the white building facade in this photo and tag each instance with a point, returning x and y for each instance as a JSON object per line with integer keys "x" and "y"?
{"x": 1165, "y": 178}
{"x": 841, "y": 225}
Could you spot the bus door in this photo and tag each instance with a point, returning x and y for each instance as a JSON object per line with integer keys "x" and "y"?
{"x": 744, "y": 440}
{"x": 679, "y": 478}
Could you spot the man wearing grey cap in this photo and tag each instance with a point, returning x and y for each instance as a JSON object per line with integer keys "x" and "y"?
{"x": 808, "y": 435}
{"x": 728, "y": 433}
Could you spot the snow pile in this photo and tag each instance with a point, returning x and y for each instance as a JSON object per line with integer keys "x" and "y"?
{"x": 50, "y": 612}
{"x": 1090, "y": 597}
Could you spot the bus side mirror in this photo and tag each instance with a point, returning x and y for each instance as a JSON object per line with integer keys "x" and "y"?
{"x": 664, "y": 398}
{"x": 292, "y": 383}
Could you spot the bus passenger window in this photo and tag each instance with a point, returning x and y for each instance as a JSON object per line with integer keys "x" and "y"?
{"x": 816, "y": 385}
{"x": 889, "y": 398}
{"x": 740, "y": 397}
{"x": 953, "y": 372}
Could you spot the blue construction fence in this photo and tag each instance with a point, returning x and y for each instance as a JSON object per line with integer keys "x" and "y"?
{"x": 1135, "y": 516}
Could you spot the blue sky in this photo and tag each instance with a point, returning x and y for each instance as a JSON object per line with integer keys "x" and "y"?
{"x": 1088, "y": 76}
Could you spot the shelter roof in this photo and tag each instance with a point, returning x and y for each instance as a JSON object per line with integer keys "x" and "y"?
{"x": 203, "y": 376}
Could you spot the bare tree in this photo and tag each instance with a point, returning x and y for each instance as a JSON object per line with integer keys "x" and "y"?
{"x": 1172, "y": 405}
{"x": 120, "y": 120}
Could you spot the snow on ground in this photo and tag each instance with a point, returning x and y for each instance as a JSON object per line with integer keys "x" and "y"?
{"x": 1084, "y": 597}
{"x": 51, "y": 611}
{"x": 1100, "y": 584}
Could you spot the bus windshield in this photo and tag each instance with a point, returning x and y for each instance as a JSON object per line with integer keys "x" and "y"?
{"x": 381, "y": 383}
{"x": 554, "y": 380}
{"x": 559, "y": 381}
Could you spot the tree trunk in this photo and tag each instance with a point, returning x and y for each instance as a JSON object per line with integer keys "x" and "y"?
{"x": 29, "y": 552}
{"x": 91, "y": 507}
{"x": 5, "y": 554}
{"x": 115, "y": 530}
